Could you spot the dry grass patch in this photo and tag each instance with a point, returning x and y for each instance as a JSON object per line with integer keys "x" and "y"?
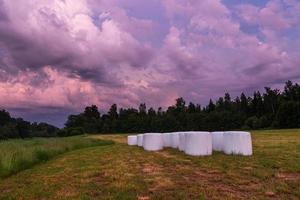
{"x": 288, "y": 176}
{"x": 116, "y": 138}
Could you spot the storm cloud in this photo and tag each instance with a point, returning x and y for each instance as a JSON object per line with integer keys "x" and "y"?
{"x": 67, "y": 54}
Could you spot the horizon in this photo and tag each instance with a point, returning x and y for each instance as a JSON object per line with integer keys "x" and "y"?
{"x": 60, "y": 122}
{"x": 57, "y": 57}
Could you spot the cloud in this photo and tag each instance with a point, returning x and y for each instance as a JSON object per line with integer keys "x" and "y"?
{"x": 63, "y": 34}
{"x": 66, "y": 55}
{"x": 276, "y": 15}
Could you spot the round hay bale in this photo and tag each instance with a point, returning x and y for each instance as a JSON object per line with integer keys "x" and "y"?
{"x": 153, "y": 141}
{"x": 167, "y": 139}
{"x": 217, "y": 141}
{"x": 181, "y": 145}
{"x": 174, "y": 140}
{"x": 132, "y": 140}
{"x": 198, "y": 143}
{"x": 140, "y": 140}
{"x": 237, "y": 142}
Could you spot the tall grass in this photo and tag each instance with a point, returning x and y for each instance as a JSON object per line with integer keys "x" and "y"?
{"x": 17, "y": 155}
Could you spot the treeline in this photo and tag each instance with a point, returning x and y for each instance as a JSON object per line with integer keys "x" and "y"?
{"x": 271, "y": 109}
{"x": 18, "y": 128}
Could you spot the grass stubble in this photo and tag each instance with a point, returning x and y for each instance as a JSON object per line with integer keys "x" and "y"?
{"x": 119, "y": 171}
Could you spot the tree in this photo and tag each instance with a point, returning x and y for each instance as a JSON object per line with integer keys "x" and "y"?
{"x": 43, "y": 130}
{"x": 288, "y": 115}
{"x": 227, "y": 101}
{"x": 180, "y": 105}
{"x": 291, "y": 91}
{"x": 244, "y": 104}
{"x": 220, "y": 104}
{"x": 271, "y": 100}
{"x": 113, "y": 112}
{"x": 143, "y": 109}
{"x": 113, "y": 115}
{"x": 160, "y": 111}
{"x": 23, "y": 128}
{"x": 257, "y": 107}
{"x": 4, "y": 117}
{"x": 253, "y": 123}
{"x": 211, "y": 106}
{"x": 91, "y": 112}
{"x": 191, "y": 108}
{"x": 151, "y": 112}
{"x": 75, "y": 121}
{"x": 9, "y": 130}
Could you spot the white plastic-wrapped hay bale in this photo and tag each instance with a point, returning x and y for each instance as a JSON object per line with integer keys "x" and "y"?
{"x": 181, "y": 145}
{"x": 217, "y": 141}
{"x": 175, "y": 139}
{"x": 132, "y": 140}
{"x": 237, "y": 142}
{"x": 167, "y": 139}
{"x": 198, "y": 143}
{"x": 153, "y": 141}
{"x": 140, "y": 140}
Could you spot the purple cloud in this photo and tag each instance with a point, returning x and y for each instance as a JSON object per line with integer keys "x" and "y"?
{"x": 66, "y": 54}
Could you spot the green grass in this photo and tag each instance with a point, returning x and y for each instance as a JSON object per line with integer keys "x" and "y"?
{"x": 127, "y": 172}
{"x": 17, "y": 155}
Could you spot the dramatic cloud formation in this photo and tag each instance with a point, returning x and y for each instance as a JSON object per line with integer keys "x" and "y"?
{"x": 57, "y": 56}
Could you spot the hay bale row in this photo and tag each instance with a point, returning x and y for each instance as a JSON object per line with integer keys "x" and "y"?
{"x": 196, "y": 143}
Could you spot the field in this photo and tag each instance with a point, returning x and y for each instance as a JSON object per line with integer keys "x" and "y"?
{"x": 118, "y": 171}
{"x": 17, "y": 155}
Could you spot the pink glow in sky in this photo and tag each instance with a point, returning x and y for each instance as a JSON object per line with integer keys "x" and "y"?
{"x": 58, "y": 56}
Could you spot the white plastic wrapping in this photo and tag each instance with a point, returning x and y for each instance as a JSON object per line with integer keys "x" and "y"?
{"x": 132, "y": 140}
{"x": 181, "y": 145}
{"x": 198, "y": 143}
{"x": 175, "y": 139}
{"x": 140, "y": 140}
{"x": 167, "y": 139}
{"x": 153, "y": 141}
{"x": 217, "y": 141}
{"x": 237, "y": 142}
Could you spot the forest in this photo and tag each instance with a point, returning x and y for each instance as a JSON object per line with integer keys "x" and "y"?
{"x": 271, "y": 109}
{"x": 19, "y": 128}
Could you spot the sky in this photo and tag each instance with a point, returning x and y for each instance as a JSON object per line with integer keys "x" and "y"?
{"x": 58, "y": 56}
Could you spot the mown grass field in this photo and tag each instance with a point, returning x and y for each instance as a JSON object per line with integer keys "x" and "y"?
{"x": 118, "y": 171}
{"x": 17, "y": 155}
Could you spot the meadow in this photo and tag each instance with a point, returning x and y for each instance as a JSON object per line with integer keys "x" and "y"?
{"x": 17, "y": 154}
{"x": 119, "y": 171}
